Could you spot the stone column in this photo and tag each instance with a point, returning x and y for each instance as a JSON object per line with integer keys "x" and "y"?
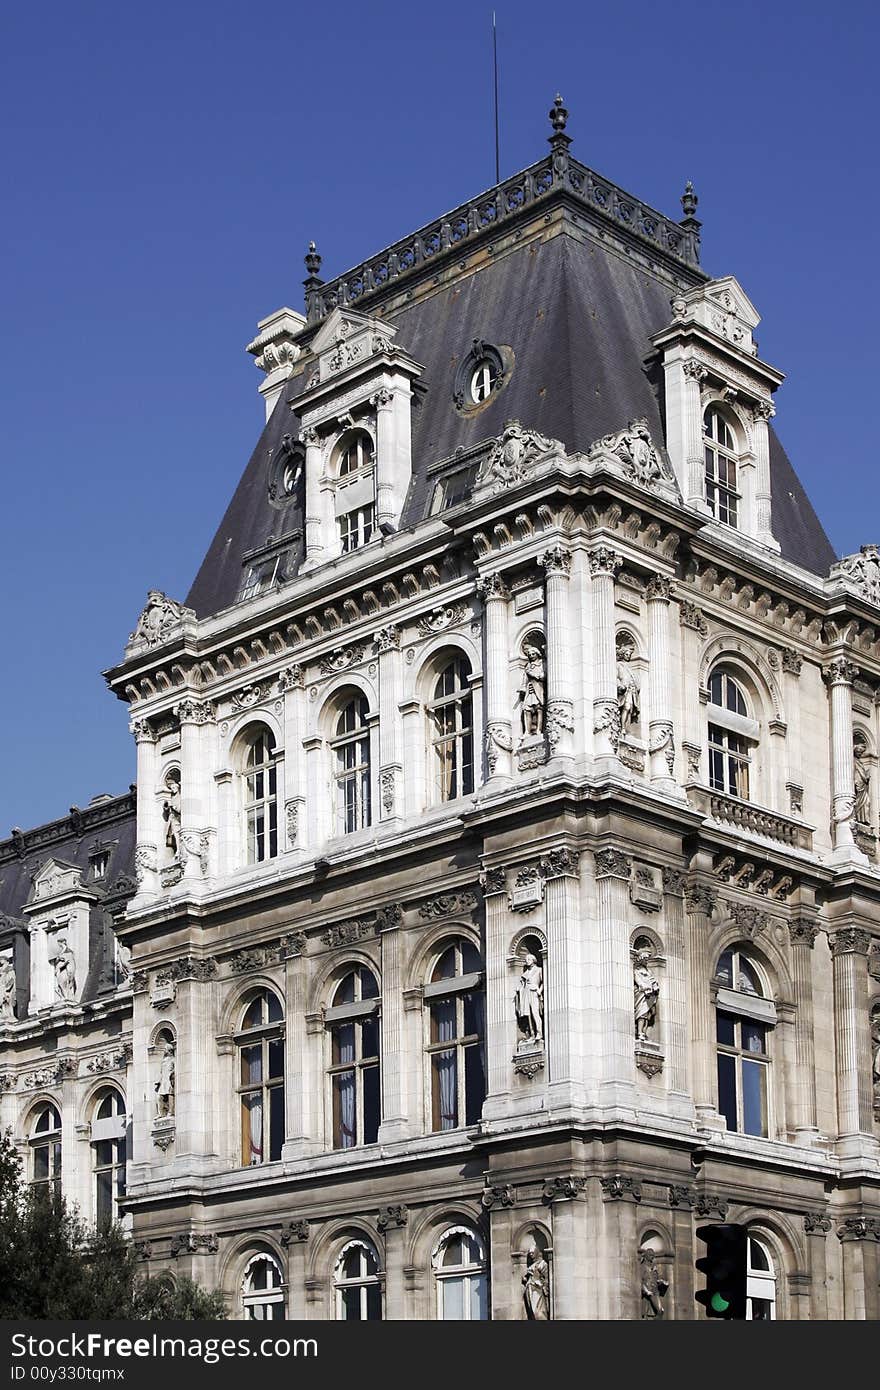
{"x": 762, "y": 413}
{"x": 197, "y": 1120}
{"x": 661, "y": 741}
{"x": 802, "y": 933}
{"x": 392, "y": 1222}
{"x": 849, "y": 952}
{"x": 295, "y": 1237}
{"x": 839, "y": 675}
{"x": 193, "y": 851}
{"x": 817, "y": 1227}
{"x": 700, "y": 901}
{"x": 573, "y": 1250}
{"x": 694, "y": 630}
{"x": 621, "y": 1292}
{"x": 562, "y": 1014}
{"x": 498, "y": 1042}
{"x": 792, "y": 663}
{"x": 320, "y": 797}
{"x": 860, "y": 1247}
{"x": 498, "y": 1203}
{"x": 293, "y": 834}
{"x": 416, "y": 795}
{"x": 613, "y": 871}
{"x": 694, "y": 375}
{"x": 395, "y": 1124}
{"x": 301, "y": 1138}
{"x": 390, "y": 733}
{"x": 680, "y": 1303}
{"x": 556, "y": 564}
{"x": 314, "y": 508}
{"x": 604, "y": 564}
{"x": 675, "y": 1004}
{"x": 147, "y": 852}
{"x": 499, "y": 733}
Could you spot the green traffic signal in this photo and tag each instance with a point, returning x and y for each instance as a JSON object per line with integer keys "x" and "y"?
{"x": 719, "y": 1303}
{"x": 724, "y": 1266}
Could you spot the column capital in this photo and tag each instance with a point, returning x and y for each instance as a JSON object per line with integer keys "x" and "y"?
{"x": 792, "y": 661}
{"x": 803, "y": 932}
{"x": 142, "y": 731}
{"x": 195, "y": 712}
{"x": 556, "y": 561}
{"x": 859, "y": 1228}
{"x": 493, "y": 880}
{"x": 850, "y": 941}
{"x": 292, "y": 678}
{"x": 613, "y": 863}
{"x": 815, "y": 1224}
{"x": 694, "y": 370}
{"x": 659, "y": 589}
{"x": 839, "y": 672}
{"x": 387, "y": 639}
{"x": 492, "y": 586}
{"x": 673, "y": 881}
{"x": 604, "y": 561}
{"x": 700, "y": 897}
{"x": 560, "y": 862}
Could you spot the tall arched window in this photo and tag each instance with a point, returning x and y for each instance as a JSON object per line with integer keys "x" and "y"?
{"x": 760, "y": 1282}
{"x": 731, "y": 735}
{"x": 261, "y": 797}
{"x": 456, "y": 1004}
{"x": 108, "y": 1137}
{"x": 451, "y": 725}
{"x": 356, "y": 490}
{"x": 260, "y": 1044}
{"x": 353, "y": 1022}
{"x": 45, "y": 1146}
{"x": 351, "y": 756}
{"x": 460, "y": 1271}
{"x": 262, "y": 1289}
{"x": 720, "y": 453}
{"x": 357, "y": 1285}
{"x": 744, "y": 1018}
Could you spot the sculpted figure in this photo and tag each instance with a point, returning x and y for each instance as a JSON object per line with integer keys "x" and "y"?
{"x": 532, "y": 691}
{"x": 515, "y": 452}
{"x": 629, "y": 694}
{"x": 647, "y": 992}
{"x": 654, "y": 1288}
{"x": 7, "y": 989}
{"x": 65, "y": 971}
{"x": 160, "y": 615}
{"x": 529, "y": 1000}
{"x": 536, "y": 1286}
{"x": 165, "y": 1084}
{"x": 171, "y": 813}
{"x": 861, "y": 781}
{"x": 875, "y": 1039}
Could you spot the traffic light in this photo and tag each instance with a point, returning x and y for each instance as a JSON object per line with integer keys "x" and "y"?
{"x": 724, "y": 1266}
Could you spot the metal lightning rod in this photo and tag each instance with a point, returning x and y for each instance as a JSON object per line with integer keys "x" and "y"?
{"x": 495, "y": 65}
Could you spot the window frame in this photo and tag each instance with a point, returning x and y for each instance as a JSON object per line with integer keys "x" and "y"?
{"x": 761, "y": 1284}
{"x": 355, "y": 525}
{"x": 739, "y": 1008}
{"x": 360, "y": 774}
{"x": 476, "y": 1272}
{"x": 264, "y": 1034}
{"x": 721, "y": 463}
{"x": 363, "y": 1283}
{"x": 271, "y": 1297}
{"x": 49, "y": 1139}
{"x": 459, "y": 769}
{"x": 113, "y": 1160}
{"x": 456, "y": 989}
{"x": 355, "y": 1014}
{"x": 731, "y": 735}
{"x": 259, "y": 804}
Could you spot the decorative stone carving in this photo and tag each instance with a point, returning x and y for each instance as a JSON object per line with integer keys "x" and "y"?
{"x": 249, "y": 695}
{"x": 634, "y": 449}
{"x": 340, "y": 659}
{"x": 295, "y": 1233}
{"x": 193, "y": 1243}
{"x": 815, "y": 1224}
{"x": 629, "y": 692}
{"x": 849, "y": 941}
{"x": 604, "y": 560}
{"x": 188, "y": 968}
{"x": 802, "y": 932}
{"x": 689, "y": 615}
{"x": 448, "y": 905}
{"x": 292, "y": 945}
{"x": 171, "y": 811}
{"x": 528, "y": 1064}
{"x": 792, "y": 661}
{"x": 64, "y": 966}
{"x": 861, "y": 572}
{"x": 662, "y": 739}
{"x": 699, "y": 897}
{"x": 559, "y": 862}
{"x": 606, "y": 720}
{"x": 387, "y": 782}
{"x": 646, "y": 988}
{"x": 393, "y": 1217}
{"x": 195, "y": 711}
{"x": 291, "y": 820}
{"x": 839, "y": 672}
{"x": 8, "y": 989}
{"x": 7, "y": 1082}
{"x": 195, "y": 844}
{"x": 493, "y": 881}
{"x": 557, "y": 560}
{"x": 563, "y": 1188}
{"x": 528, "y": 1003}
{"x": 536, "y": 1286}
{"x": 492, "y": 586}
{"x": 859, "y": 1228}
{"x": 158, "y": 620}
{"x": 528, "y": 890}
{"x": 658, "y": 589}
{"x": 795, "y": 799}
{"x": 498, "y": 740}
{"x": 387, "y": 639}
{"x": 256, "y": 958}
{"x": 515, "y": 455}
{"x": 681, "y": 1195}
{"x": 644, "y": 889}
{"x": 293, "y": 678}
{"x": 654, "y": 1289}
{"x": 164, "y": 1086}
{"x": 617, "y": 1186}
{"x": 612, "y": 863}
{"x": 875, "y": 1057}
{"x": 560, "y": 721}
{"x": 673, "y": 881}
{"x": 861, "y": 779}
{"x": 109, "y": 1061}
{"x": 532, "y": 693}
{"x": 694, "y": 370}
{"x": 439, "y": 619}
{"x": 748, "y": 919}
{"x": 710, "y": 1204}
{"x": 497, "y": 1197}
{"x": 347, "y": 933}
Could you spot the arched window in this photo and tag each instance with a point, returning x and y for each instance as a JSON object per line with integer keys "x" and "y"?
{"x": 353, "y": 1022}
{"x": 457, "y": 1012}
{"x": 720, "y": 453}
{"x": 451, "y": 724}
{"x": 261, "y": 797}
{"x": 731, "y": 735}
{"x": 355, "y": 490}
{"x": 45, "y": 1146}
{"x": 108, "y": 1138}
{"x": 460, "y": 1271}
{"x": 744, "y": 1017}
{"x": 262, "y": 1289}
{"x": 351, "y": 756}
{"x": 260, "y": 1044}
{"x": 356, "y": 1281}
{"x": 760, "y": 1283}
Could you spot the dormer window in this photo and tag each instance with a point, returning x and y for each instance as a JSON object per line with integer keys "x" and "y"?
{"x": 483, "y": 381}
{"x": 481, "y": 373}
{"x": 100, "y": 863}
{"x": 263, "y": 575}
{"x": 356, "y": 490}
{"x": 720, "y": 453}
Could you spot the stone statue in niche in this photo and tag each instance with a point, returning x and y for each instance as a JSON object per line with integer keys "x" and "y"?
{"x": 7, "y": 989}
{"x": 654, "y": 1289}
{"x": 171, "y": 812}
{"x": 532, "y": 693}
{"x": 861, "y": 780}
{"x": 629, "y": 694}
{"x": 165, "y": 1084}
{"x": 875, "y": 1064}
{"x": 65, "y": 971}
{"x": 529, "y": 1001}
{"x": 647, "y": 992}
{"x": 536, "y": 1286}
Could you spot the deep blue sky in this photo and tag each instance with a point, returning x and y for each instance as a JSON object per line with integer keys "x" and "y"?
{"x": 165, "y": 166}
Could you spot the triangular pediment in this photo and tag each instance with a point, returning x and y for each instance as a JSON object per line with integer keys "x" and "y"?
{"x": 343, "y": 325}
{"x": 347, "y": 340}
{"x": 723, "y": 307}
{"x": 56, "y": 878}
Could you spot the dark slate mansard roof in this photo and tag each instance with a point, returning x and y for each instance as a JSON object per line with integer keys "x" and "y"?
{"x": 578, "y": 318}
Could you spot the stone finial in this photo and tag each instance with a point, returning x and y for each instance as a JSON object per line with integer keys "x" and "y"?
{"x": 558, "y": 116}
{"x": 313, "y": 261}
{"x": 689, "y": 200}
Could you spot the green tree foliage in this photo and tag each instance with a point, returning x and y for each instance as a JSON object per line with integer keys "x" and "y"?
{"x": 52, "y": 1265}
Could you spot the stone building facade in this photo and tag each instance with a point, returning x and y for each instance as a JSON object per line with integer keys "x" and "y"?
{"x": 500, "y": 902}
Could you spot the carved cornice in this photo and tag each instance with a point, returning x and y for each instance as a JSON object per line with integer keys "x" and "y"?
{"x": 850, "y": 941}
{"x": 613, "y": 863}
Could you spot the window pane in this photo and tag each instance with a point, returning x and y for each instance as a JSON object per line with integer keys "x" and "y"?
{"x": 344, "y": 1116}
{"x": 761, "y": 1310}
{"x": 276, "y": 1058}
{"x": 724, "y": 1029}
{"x": 372, "y": 1104}
{"x": 252, "y": 1129}
{"x": 444, "y": 1074}
{"x": 343, "y": 1043}
{"x": 479, "y": 1297}
{"x": 453, "y": 1299}
{"x": 470, "y": 958}
{"x": 753, "y": 1036}
{"x": 41, "y": 1163}
{"x": 727, "y": 1089}
{"x": 351, "y": 1305}
{"x": 754, "y": 1117}
{"x": 474, "y": 1013}
{"x": 251, "y": 1065}
{"x": 276, "y": 1122}
{"x": 374, "y": 1303}
{"x": 443, "y": 1020}
{"x": 370, "y": 1037}
{"x": 474, "y": 1083}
